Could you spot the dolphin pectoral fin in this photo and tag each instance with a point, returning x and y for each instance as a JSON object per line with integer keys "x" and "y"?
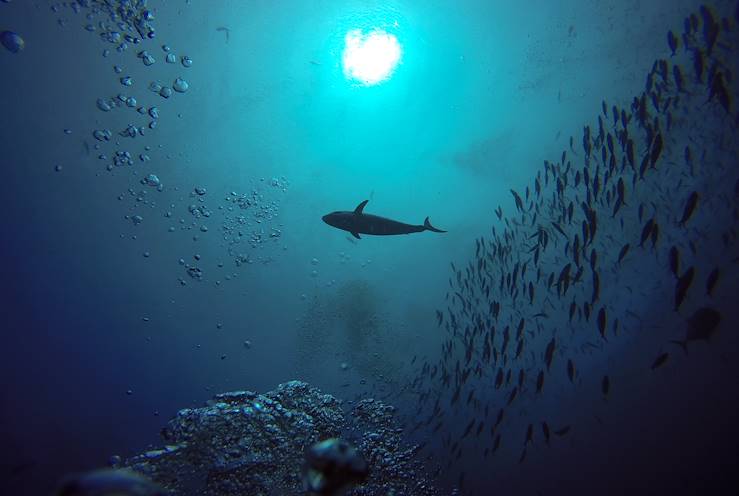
{"x": 360, "y": 208}
{"x": 429, "y": 227}
{"x": 356, "y": 235}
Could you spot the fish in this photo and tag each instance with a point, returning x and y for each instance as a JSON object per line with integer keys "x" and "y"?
{"x": 630, "y": 152}
{"x": 499, "y": 418}
{"x": 499, "y": 378}
{"x": 605, "y": 386}
{"x": 682, "y": 286}
{"x": 655, "y": 234}
{"x": 224, "y": 30}
{"x": 702, "y": 325}
{"x": 622, "y": 253}
{"x": 549, "y": 353}
{"x": 677, "y": 75}
{"x": 561, "y": 432}
{"x": 540, "y": 382}
{"x": 545, "y": 429}
{"x": 596, "y": 288}
{"x": 564, "y": 276}
{"x": 699, "y": 65}
{"x": 519, "y": 202}
{"x": 644, "y": 165}
{"x": 646, "y": 231}
{"x": 571, "y": 370}
{"x": 104, "y": 482}
{"x": 455, "y": 396}
{"x": 559, "y": 228}
{"x": 468, "y": 429}
{"x": 357, "y": 222}
{"x": 656, "y": 149}
{"x": 529, "y": 435}
{"x": 690, "y": 205}
{"x": 674, "y": 261}
{"x": 512, "y": 396}
{"x": 496, "y": 443}
{"x": 660, "y": 360}
{"x": 602, "y": 322}
{"x": 711, "y": 281}
{"x": 718, "y": 90}
{"x": 672, "y": 42}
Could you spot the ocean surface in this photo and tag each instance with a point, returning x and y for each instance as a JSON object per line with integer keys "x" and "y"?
{"x": 166, "y": 166}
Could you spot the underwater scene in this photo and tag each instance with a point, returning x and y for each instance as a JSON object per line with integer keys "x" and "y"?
{"x": 368, "y": 247}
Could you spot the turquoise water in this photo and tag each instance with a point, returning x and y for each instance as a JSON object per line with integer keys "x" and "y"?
{"x": 114, "y": 322}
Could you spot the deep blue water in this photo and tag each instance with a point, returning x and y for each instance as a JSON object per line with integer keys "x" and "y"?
{"x": 112, "y": 322}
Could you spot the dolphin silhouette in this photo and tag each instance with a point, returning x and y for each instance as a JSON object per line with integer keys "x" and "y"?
{"x": 357, "y": 222}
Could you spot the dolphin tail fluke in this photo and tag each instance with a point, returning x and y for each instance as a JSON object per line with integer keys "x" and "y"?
{"x": 427, "y": 225}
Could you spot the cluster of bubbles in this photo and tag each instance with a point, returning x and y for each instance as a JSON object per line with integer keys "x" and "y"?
{"x": 250, "y": 220}
{"x": 247, "y": 221}
{"x": 125, "y": 26}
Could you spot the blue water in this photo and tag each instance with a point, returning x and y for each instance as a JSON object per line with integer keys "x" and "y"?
{"x": 110, "y": 325}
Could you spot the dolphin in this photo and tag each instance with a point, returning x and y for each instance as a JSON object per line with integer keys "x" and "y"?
{"x": 357, "y": 222}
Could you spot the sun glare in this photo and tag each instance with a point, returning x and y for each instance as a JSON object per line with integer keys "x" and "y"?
{"x": 370, "y": 58}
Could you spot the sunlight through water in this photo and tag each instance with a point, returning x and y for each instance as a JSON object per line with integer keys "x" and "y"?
{"x": 370, "y": 58}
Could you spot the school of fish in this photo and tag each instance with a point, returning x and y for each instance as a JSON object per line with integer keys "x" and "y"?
{"x": 547, "y": 286}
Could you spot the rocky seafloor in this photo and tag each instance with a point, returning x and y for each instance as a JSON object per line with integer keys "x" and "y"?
{"x": 247, "y": 443}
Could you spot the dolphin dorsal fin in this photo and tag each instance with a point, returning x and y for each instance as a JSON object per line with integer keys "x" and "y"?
{"x": 360, "y": 207}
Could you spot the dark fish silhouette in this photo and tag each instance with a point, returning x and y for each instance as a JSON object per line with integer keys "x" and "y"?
{"x": 499, "y": 419}
{"x": 512, "y": 396}
{"x": 660, "y": 360}
{"x": 602, "y": 318}
{"x": 656, "y": 149}
{"x": 623, "y": 252}
{"x": 519, "y": 203}
{"x": 672, "y": 41}
{"x": 699, "y": 65}
{"x": 605, "y": 386}
{"x": 549, "y": 353}
{"x": 682, "y": 286}
{"x": 701, "y": 326}
{"x": 719, "y": 91}
{"x": 468, "y": 429}
{"x": 677, "y": 75}
{"x": 357, "y": 222}
{"x": 711, "y": 281}
{"x": 646, "y": 231}
{"x": 224, "y": 30}
{"x": 545, "y": 429}
{"x": 540, "y": 382}
{"x": 564, "y": 430}
{"x": 571, "y": 371}
{"x": 689, "y": 208}
{"x": 529, "y": 435}
{"x": 523, "y": 456}
{"x": 674, "y": 261}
